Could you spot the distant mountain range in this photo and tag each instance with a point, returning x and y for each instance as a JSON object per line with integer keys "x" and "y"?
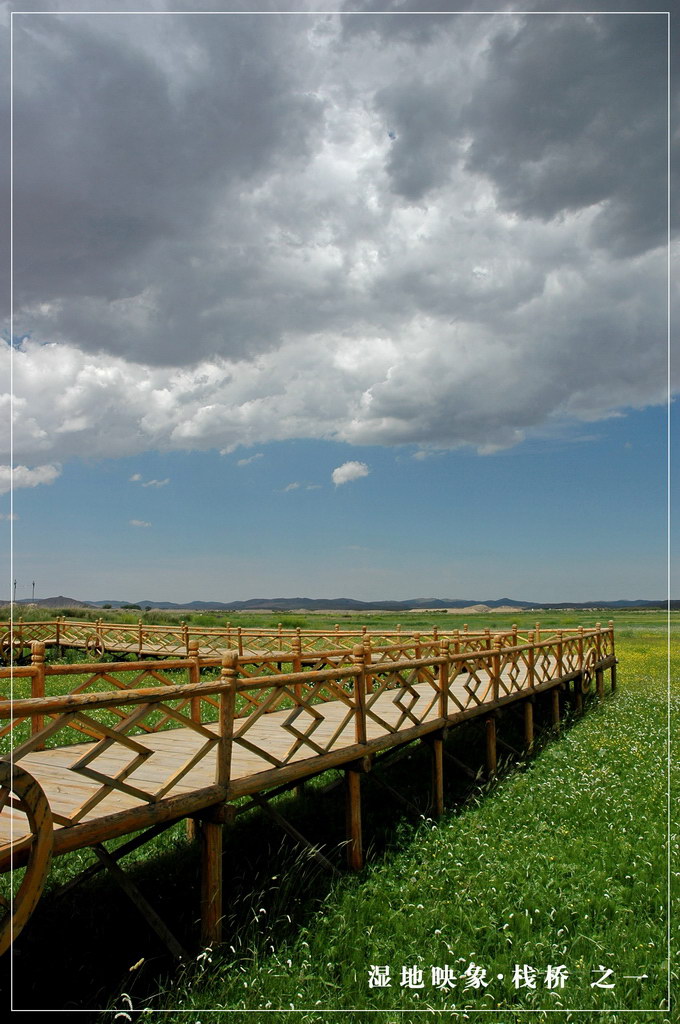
{"x": 289, "y": 604}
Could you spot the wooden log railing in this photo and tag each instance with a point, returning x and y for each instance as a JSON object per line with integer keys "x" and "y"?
{"x": 172, "y": 641}
{"x": 90, "y": 765}
{"x": 178, "y": 698}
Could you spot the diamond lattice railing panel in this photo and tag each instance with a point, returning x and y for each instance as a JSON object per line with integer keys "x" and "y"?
{"x": 545, "y": 664}
{"x": 570, "y": 656}
{"x": 112, "y": 762}
{"x": 477, "y": 682}
{"x": 513, "y": 673}
{"x": 379, "y": 705}
{"x": 302, "y": 710}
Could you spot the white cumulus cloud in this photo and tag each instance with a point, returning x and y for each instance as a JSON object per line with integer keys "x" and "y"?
{"x": 22, "y": 476}
{"x": 349, "y": 471}
{"x": 139, "y": 522}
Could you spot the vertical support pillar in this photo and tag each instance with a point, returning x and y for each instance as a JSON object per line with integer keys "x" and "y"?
{"x": 613, "y": 674}
{"x": 599, "y": 683}
{"x": 355, "y": 852}
{"x": 578, "y": 692}
{"x": 555, "y": 694}
{"x": 194, "y": 673}
{"x": 491, "y": 756}
{"x": 613, "y": 651}
{"x": 529, "y": 725}
{"x": 211, "y": 883}
{"x": 438, "y": 775}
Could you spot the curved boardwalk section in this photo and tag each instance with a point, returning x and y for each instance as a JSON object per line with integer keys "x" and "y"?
{"x": 95, "y": 751}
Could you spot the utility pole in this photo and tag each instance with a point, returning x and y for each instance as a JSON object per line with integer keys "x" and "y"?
{"x": 15, "y": 592}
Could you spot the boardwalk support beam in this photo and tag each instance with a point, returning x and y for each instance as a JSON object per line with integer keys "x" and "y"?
{"x": 555, "y": 695}
{"x": 599, "y": 682}
{"x": 355, "y": 852}
{"x": 211, "y": 882}
{"x": 438, "y": 775}
{"x": 529, "y": 725}
{"x": 491, "y": 755}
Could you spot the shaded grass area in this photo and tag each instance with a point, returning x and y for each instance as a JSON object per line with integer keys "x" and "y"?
{"x": 562, "y": 862}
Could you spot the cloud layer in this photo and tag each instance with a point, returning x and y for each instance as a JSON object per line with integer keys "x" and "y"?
{"x": 381, "y": 230}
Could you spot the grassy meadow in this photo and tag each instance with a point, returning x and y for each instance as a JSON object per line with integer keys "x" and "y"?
{"x": 552, "y": 880}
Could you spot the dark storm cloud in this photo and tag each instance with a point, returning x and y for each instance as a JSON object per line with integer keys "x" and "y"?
{"x": 572, "y": 112}
{"x": 432, "y": 229}
{"x": 123, "y": 161}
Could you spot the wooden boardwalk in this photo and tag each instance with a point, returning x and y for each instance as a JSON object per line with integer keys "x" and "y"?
{"x": 133, "y": 746}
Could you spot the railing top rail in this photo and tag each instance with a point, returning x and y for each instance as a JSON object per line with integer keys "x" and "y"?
{"x": 108, "y": 698}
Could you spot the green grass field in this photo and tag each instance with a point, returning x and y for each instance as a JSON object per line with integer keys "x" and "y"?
{"x": 561, "y": 865}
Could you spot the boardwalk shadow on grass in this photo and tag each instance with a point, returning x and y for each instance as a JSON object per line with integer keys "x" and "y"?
{"x": 81, "y": 950}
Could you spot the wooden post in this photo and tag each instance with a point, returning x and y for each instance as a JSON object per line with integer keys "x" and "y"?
{"x": 140, "y": 636}
{"x": 194, "y": 674}
{"x": 185, "y": 636}
{"x": 438, "y": 774}
{"x": 531, "y": 660}
{"x": 355, "y": 853}
{"x": 227, "y": 709}
{"x": 417, "y": 653}
{"x": 359, "y": 659}
{"x": 240, "y": 641}
{"x": 555, "y": 693}
{"x": 560, "y": 654}
{"x": 38, "y": 685}
{"x": 599, "y": 683}
{"x": 297, "y": 661}
{"x": 491, "y": 758}
{"x": 57, "y": 623}
{"x": 444, "y": 679}
{"x": 529, "y": 724}
{"x": 211, "y": 882}
{"x": 496, "y": 669}
{"x": 580, "y": 648}
{"x": 514, "y": 634}
{"x": 211, "y": 830}
{"x": 613, "y": 668}
{"x": 537, "y": 632}
{"x": 578, "y": 683}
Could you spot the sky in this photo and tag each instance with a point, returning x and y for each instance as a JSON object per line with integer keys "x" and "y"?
{"x": 347, "y": 302}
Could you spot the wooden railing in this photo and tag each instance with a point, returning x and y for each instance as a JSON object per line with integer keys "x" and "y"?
{"x": 170, "y": 694}
{"x": 171, "y": 641}
{"x": 105, "y": 758}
